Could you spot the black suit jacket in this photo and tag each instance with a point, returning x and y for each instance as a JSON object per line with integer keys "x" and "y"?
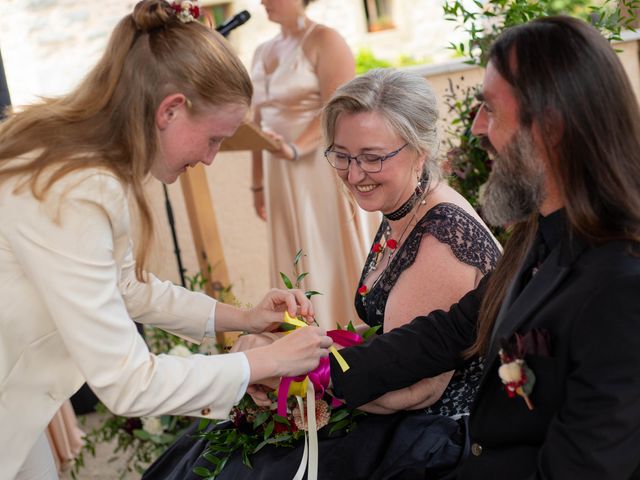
{"x": 586, "y": 418}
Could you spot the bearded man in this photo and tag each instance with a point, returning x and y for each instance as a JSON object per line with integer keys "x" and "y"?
{"x": 558, "y": 322}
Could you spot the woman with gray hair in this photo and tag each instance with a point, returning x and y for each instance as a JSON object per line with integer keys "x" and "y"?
{"x": 431, "y": 248}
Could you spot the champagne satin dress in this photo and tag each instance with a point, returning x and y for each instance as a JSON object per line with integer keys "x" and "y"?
{"x": 307, "y": 208}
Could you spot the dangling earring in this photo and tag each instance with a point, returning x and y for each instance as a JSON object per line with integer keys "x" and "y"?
{"x": 423, "y": 186}
{"x": 419, "y": 190}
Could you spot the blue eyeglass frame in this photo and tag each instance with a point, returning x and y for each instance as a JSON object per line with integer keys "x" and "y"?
{"x": 382, "y": 158}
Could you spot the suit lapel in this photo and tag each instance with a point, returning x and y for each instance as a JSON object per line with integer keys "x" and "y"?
{"x": 551, "y": 274}
{"x": 511, "y": 295}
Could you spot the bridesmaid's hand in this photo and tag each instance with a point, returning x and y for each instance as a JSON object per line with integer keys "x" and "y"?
{"x": 267, "y": 315}
{"x": 259, "y": 394}
{"x": 254, "y": 340}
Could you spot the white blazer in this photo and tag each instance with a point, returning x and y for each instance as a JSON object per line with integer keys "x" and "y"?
{"x": 68, "y": 294}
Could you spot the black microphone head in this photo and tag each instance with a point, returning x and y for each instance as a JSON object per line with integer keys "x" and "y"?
{"x": 243, "y": 16}
{"x": 234, "y": 22}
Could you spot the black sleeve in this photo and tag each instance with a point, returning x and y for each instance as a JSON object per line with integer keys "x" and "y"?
{"x": 423, "y": 348}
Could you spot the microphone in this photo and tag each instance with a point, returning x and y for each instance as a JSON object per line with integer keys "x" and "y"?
{"x": 234, "y": 22}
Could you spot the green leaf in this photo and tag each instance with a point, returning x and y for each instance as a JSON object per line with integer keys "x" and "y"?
{"x": 286, "y": 280}
{"x": 142, "y": 434}
{"x": 202, "y": 472}
{"x": 280, "y": 419}
{"x": 297, "y": 259}
{"x": 286, "y": 327}
{"x": 269, "y": 429}
{"x": 203, "y": 423}
{"x": 370, "y": 331}
{"x": 279, "y": 439}
{"x": 339, "y": 415}
{"x": 338, "y": 426}
{"x": 260, "y": 419}
{"x": 311, "y": 293}
{"x": 260, "y": 446}
{"x": 210, "y": 457}
{"x": 300, "y": 278}
{"x": 350, "y": 327}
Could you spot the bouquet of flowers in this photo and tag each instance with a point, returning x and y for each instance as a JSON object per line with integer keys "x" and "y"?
{"x": 252, "y": 427}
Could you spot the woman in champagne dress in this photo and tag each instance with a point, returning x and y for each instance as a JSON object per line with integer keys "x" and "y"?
{"x": 295, "y": 189}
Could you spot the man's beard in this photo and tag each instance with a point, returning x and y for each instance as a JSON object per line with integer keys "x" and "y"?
{"x": 515, "y": 187}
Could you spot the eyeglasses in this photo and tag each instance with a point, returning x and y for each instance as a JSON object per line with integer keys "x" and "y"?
{"x": 368, "y": 162}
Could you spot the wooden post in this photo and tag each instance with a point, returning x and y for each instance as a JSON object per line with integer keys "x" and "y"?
{"x": 204, "y": 228}
{"x": 202, "y": 217}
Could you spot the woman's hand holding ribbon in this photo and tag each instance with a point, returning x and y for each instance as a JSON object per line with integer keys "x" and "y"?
{"x": 292, "y": 355}
{"x": 267, "y": 315}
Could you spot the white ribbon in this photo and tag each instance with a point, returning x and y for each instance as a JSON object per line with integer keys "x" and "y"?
{"x": 310, "y": 455}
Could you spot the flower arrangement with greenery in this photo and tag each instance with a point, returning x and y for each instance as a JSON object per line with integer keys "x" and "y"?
{"x": 251, "y": 427}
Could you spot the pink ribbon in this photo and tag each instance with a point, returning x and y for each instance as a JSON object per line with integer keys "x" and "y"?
{"x": 321, "y": 375}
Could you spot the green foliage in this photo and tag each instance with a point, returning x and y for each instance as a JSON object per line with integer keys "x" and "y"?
{"x": 486, "y": 20}
{"x": 366, "y": 60}
{"x": 251, "y": 427}
{"x": 298, "y": 276}
{"x": 468, "y": 164}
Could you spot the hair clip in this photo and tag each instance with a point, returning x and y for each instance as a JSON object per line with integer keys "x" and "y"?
{"x": 186, "y": 11}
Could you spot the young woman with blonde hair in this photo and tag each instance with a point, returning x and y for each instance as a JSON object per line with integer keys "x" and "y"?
{"x": 165, "y": 94}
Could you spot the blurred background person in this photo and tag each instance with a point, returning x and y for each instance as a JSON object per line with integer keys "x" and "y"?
{"x": 294, "y": 189}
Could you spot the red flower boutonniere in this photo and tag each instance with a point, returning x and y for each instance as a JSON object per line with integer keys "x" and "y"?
{"x": 517, "y": 377}
{"x": 363, "y": 290}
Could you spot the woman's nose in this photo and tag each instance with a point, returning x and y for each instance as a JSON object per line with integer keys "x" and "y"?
{"x": 355, "y": 173}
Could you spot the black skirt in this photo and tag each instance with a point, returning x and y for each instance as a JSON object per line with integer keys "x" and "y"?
{"x": 406, "y": 445}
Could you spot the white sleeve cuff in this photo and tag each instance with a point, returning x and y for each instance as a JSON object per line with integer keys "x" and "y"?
{"x": 246, "y": 373}
{"x": 210, "y": 328}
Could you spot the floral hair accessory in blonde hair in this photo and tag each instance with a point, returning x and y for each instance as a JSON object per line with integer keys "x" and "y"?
{"x": 186, "y": 11}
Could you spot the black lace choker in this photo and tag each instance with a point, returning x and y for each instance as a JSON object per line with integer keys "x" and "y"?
{"x": 407, "y": 206}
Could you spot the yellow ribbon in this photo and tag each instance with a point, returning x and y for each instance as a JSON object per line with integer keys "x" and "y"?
{"x": 299, "y": 324}
{"x": 298, "y": 389}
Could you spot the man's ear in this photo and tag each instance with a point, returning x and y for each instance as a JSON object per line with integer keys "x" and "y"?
{"x": 169, "y": 107}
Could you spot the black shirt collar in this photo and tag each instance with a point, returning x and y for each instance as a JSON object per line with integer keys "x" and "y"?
{"x": 552, "y": 228}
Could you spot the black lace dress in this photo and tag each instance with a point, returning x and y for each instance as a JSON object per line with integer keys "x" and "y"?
{"x": 406, "y": 445}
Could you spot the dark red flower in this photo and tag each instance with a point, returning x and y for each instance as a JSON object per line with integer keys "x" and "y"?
{"x": 131, "y": 424}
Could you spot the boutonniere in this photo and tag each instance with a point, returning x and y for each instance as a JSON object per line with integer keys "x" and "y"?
{"x": 517, "y": 377}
